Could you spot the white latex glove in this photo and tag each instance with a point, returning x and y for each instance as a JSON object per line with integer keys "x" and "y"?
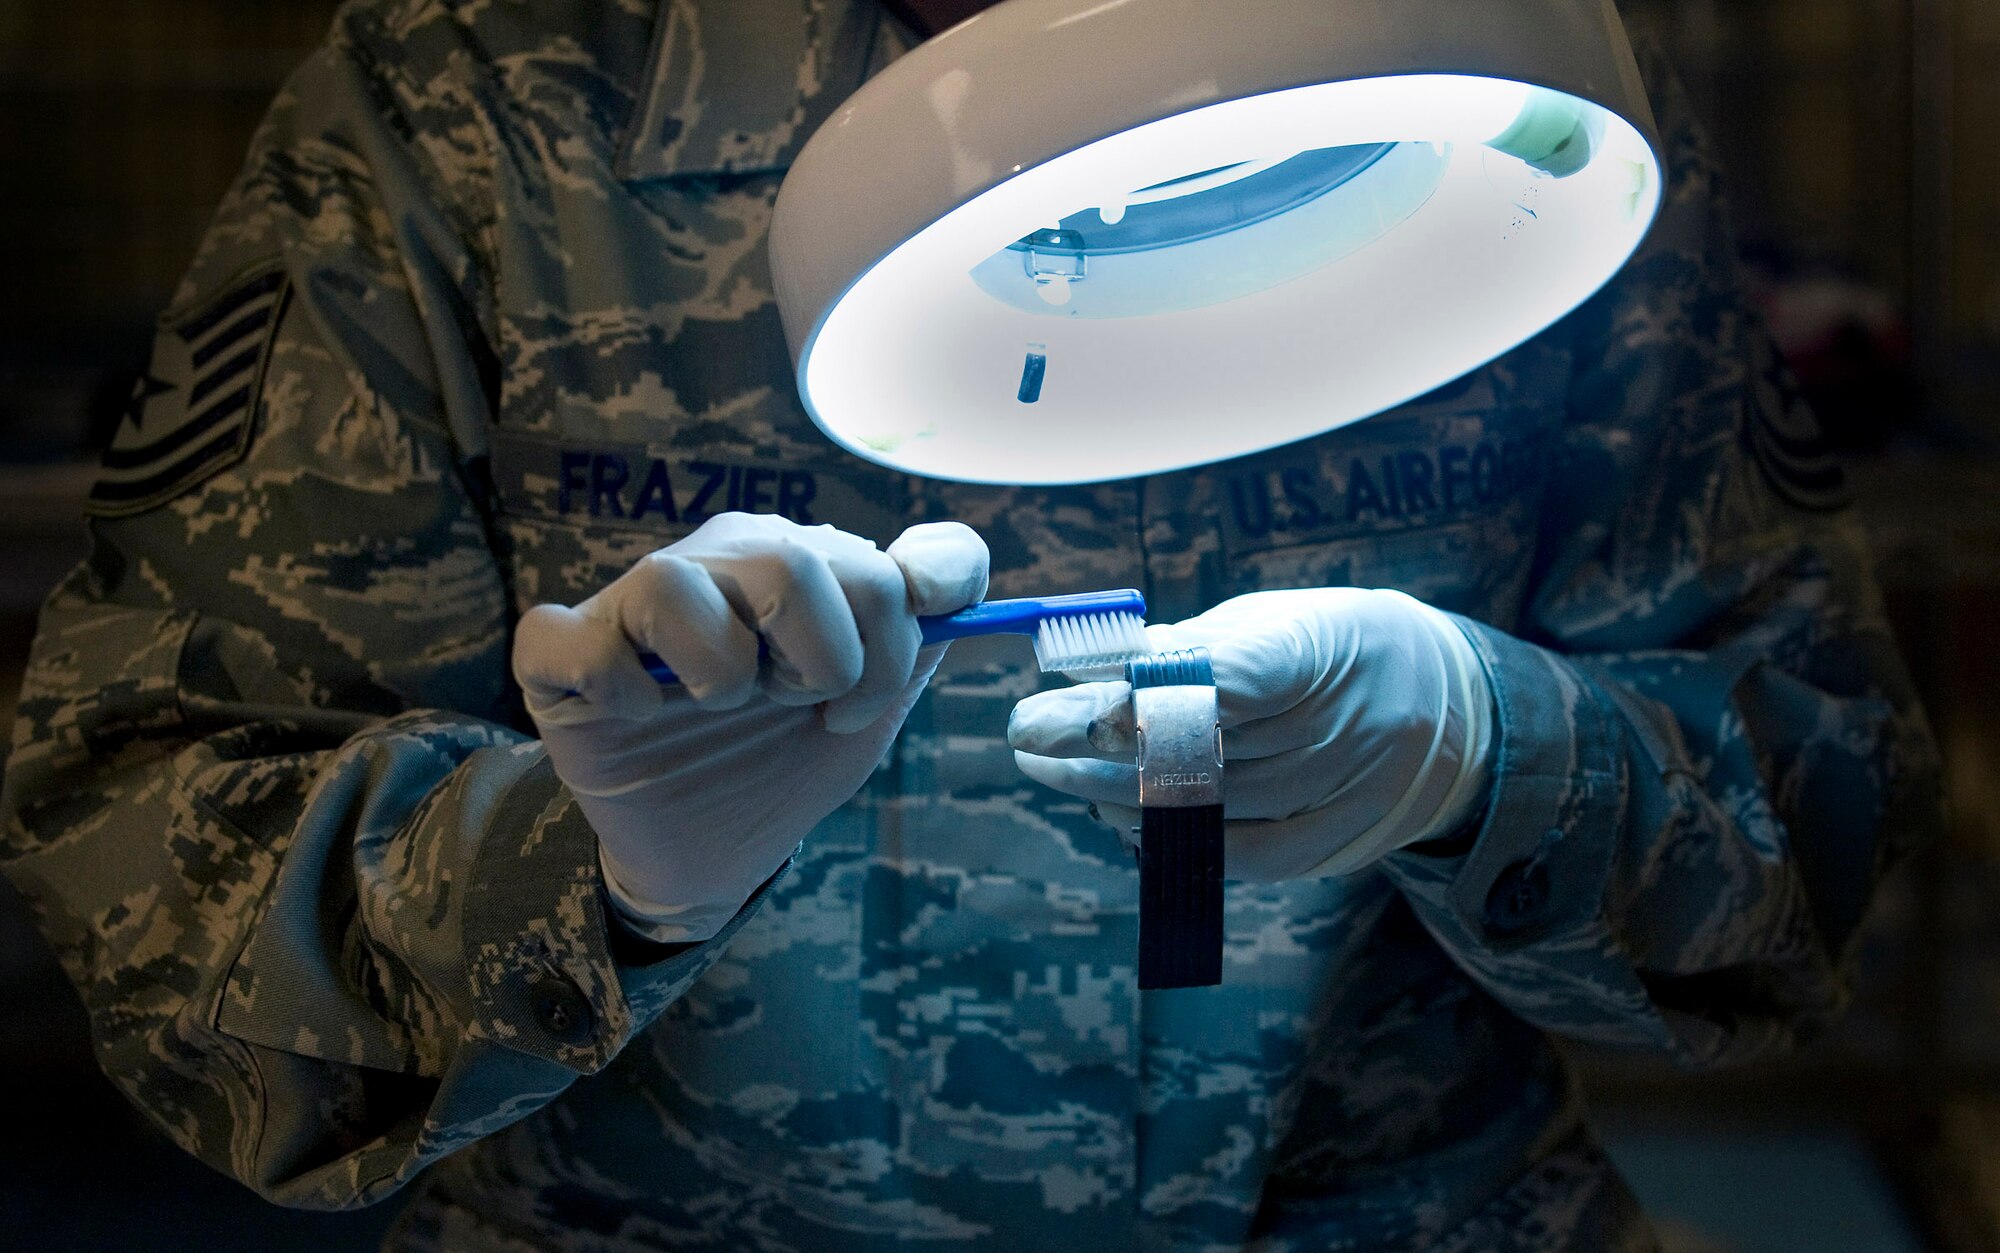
{"x": 1355, "y": 723}
{"x": 698, "y": 792}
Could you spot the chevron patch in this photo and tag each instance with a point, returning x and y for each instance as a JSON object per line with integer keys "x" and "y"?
{"x": 190, "y": 413}
{"x": 1789, "y": 445}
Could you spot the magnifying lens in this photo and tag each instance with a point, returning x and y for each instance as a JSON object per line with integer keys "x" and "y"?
{"x": 1069, "y": 241}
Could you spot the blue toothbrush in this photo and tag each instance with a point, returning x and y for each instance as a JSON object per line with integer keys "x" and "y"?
{"x": 1081, "y": 632}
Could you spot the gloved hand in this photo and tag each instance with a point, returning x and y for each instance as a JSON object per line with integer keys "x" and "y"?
{"x": 698, "y": 792}
{"x": 1354, "y": 723}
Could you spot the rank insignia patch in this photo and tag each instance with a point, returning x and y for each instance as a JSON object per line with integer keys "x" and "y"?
{"x": 1788, "y": 444}
{"x": 190, "y": 413}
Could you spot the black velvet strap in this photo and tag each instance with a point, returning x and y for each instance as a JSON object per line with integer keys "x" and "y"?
{"x": 1180, "y": 897}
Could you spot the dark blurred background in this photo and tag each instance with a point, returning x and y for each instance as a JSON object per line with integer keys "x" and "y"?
{"x": 1860, "y": 138}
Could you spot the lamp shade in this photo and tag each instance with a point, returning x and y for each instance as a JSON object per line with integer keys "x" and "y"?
{"x": 1075, "y": 240}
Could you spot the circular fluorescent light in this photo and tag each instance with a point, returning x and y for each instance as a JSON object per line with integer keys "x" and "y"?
{"x": 1071, "y": 241}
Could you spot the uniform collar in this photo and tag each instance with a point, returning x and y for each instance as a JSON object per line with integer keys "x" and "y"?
{"x": 737, "y": 86}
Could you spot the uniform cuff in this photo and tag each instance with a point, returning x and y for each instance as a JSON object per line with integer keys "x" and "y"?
{"x": 1539, "y": 860}
{"x": 543, "y": 956}
{"x": 658, "y": 923}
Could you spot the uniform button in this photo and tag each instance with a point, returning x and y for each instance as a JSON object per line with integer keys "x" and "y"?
{"x": 1519, "y": 895}
{"x": 562, "y": 1009}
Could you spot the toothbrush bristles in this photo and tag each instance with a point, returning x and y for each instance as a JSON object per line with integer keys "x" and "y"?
{"x": 1090, "y": 641}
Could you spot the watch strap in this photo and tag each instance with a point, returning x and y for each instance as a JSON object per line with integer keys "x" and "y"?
{"x": 1180, "y": 833}
{"x": 1180, "y": 897}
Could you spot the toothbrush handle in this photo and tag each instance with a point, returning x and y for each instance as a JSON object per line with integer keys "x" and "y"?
{"x": 988, "y": 617}
{"x": 1022, "y": 617}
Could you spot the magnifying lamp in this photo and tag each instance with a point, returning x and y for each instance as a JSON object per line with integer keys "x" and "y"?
{"x": 1076, "y": 240}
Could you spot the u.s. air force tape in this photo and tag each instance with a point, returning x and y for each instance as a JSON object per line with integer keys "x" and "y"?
{"x": 1180, "y": 834}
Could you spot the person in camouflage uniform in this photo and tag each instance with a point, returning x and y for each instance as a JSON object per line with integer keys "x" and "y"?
{"x": 487, "y": 317}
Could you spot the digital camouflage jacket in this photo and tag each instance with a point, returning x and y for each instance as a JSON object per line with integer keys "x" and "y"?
{"x": 487, "y": 316}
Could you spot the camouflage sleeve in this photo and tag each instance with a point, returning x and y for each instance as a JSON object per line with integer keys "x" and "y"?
{"x": 1709, "y": 750}
{"x": 332, "y": 918}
